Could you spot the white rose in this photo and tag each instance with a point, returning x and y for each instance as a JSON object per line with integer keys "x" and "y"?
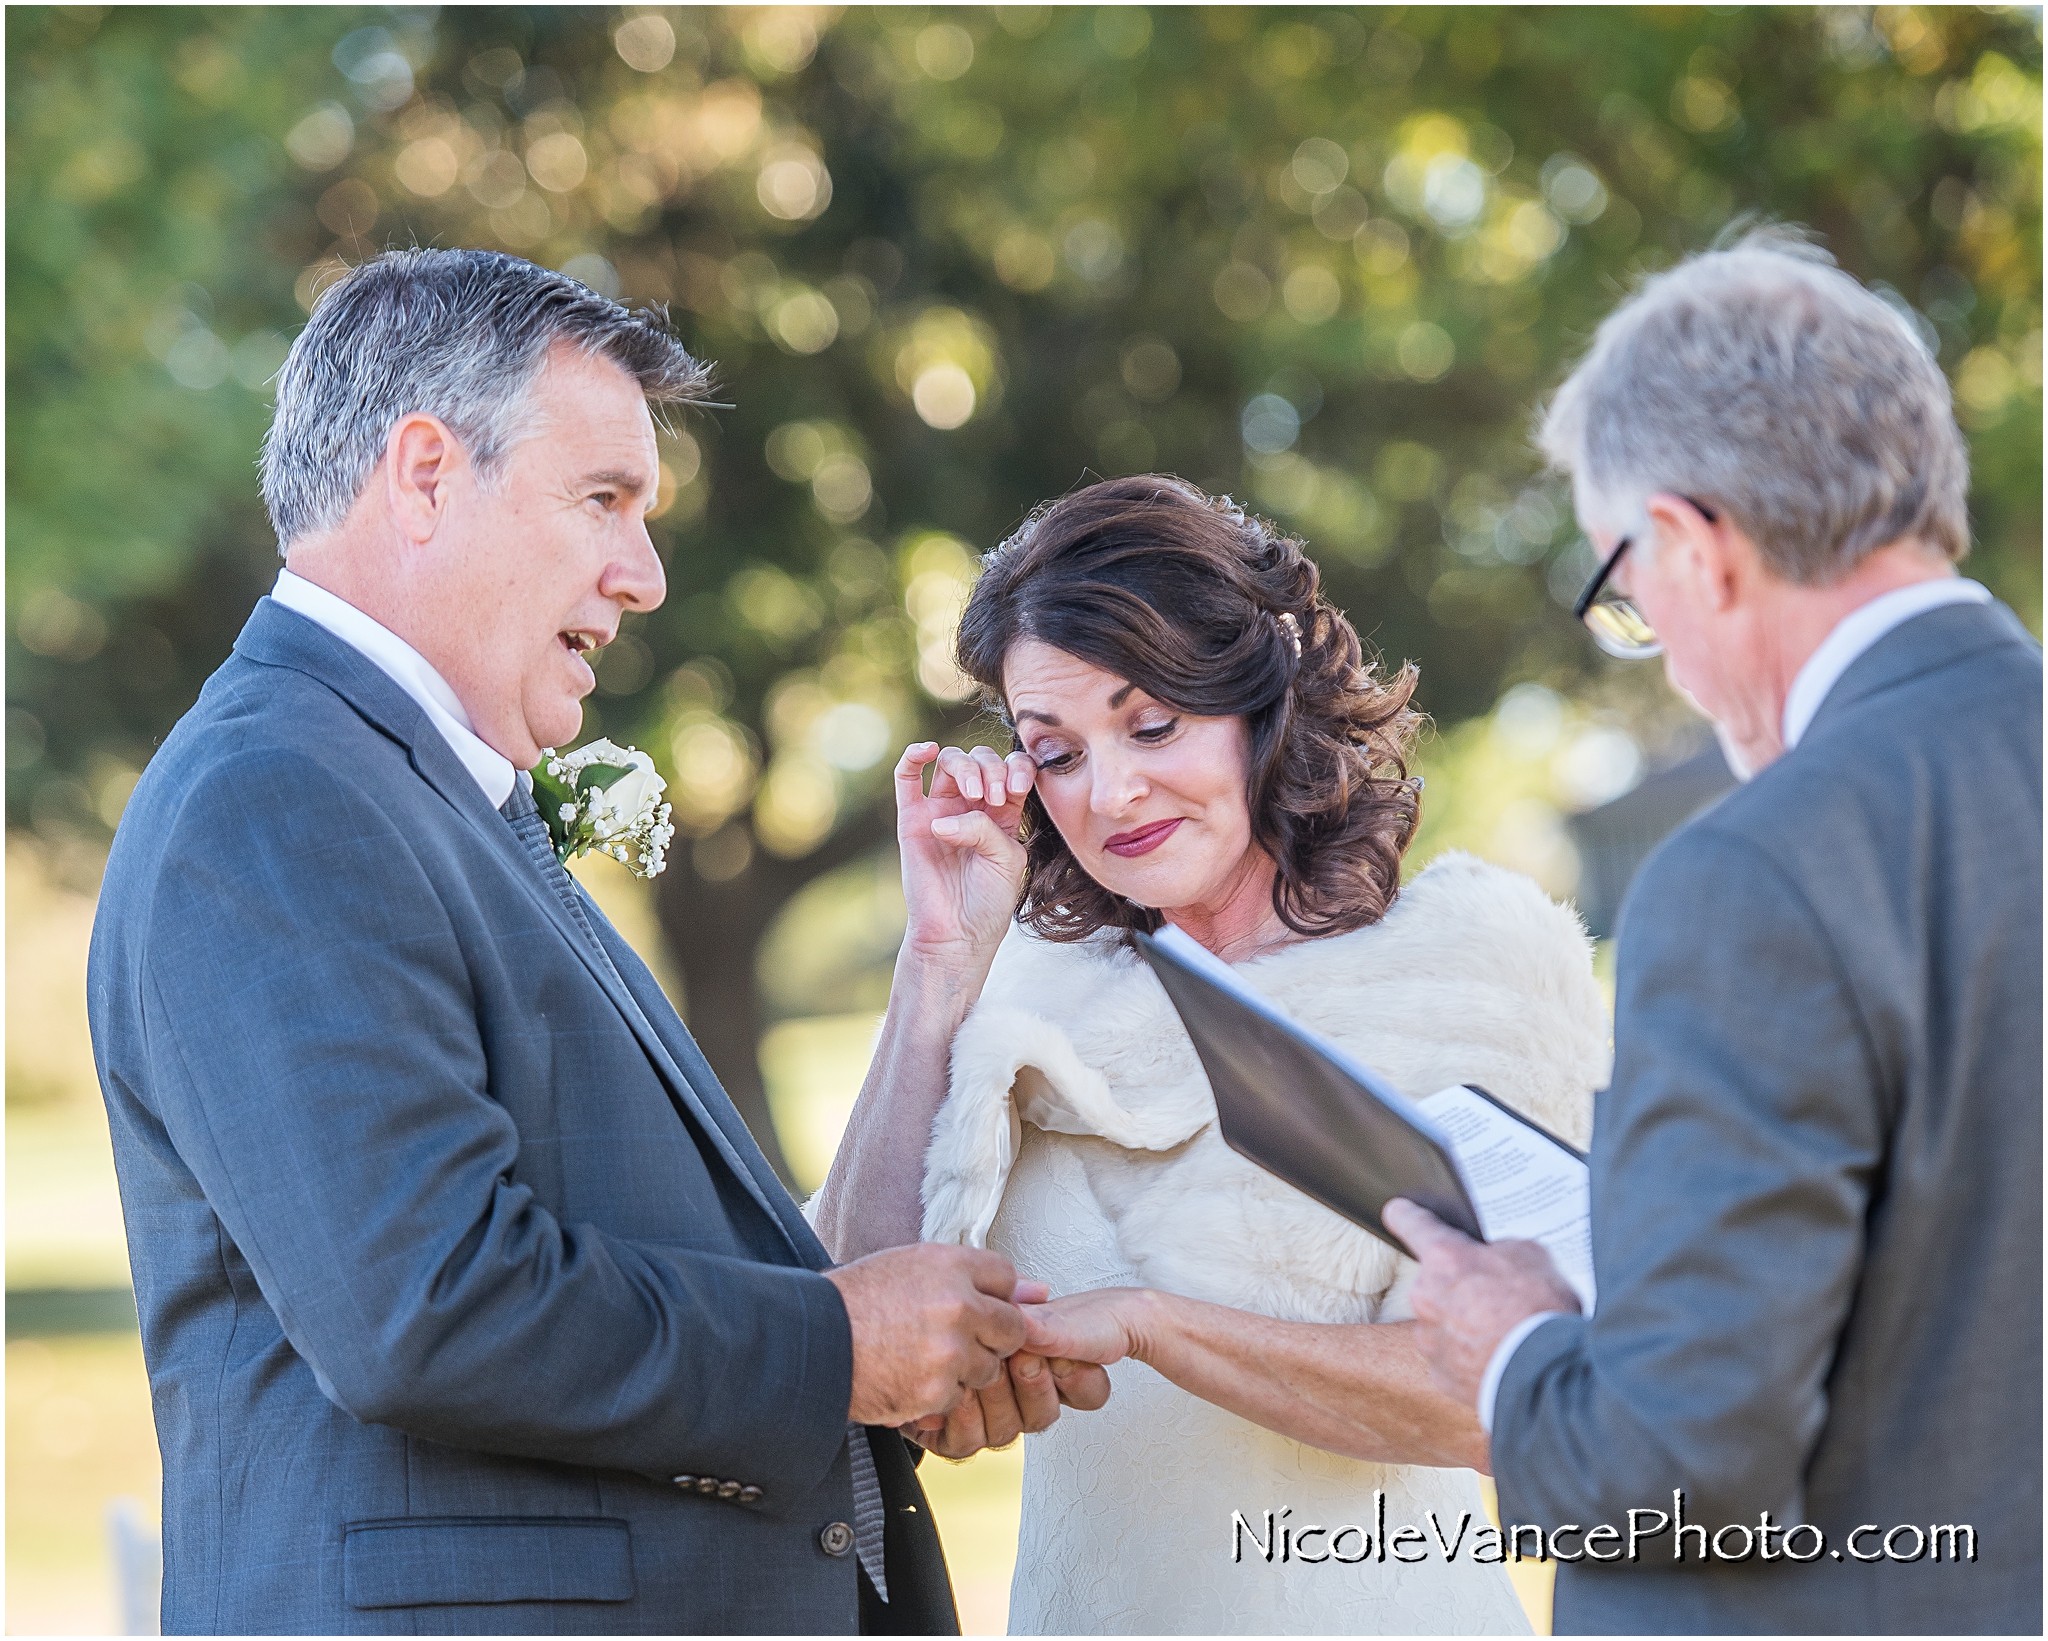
{"x": 636, "y": 791}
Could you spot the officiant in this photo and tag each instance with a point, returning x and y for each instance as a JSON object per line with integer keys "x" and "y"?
{"x": 1816, "y": 1173}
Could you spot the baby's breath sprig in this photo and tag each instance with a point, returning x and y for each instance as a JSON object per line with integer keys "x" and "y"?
{"x": 606, "y": 798}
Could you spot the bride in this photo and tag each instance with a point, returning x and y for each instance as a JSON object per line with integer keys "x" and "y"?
{"x": 1198, "y": 741}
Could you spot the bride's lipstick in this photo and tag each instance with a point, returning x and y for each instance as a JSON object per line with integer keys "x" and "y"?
{"x": 1144, "y": 840}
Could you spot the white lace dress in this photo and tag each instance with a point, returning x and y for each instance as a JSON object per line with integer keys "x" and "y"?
{"x": 1079, "y": 1140}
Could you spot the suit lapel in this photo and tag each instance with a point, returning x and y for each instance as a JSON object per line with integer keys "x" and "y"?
{"x": 693, "y": 1068}
{"x": 438, "y": 763}
{"x": 609, "y": 976}
{"x": 280, "y": 637}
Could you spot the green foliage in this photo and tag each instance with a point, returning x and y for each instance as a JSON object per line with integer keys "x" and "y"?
{"x": 550, "y": 794}
{"x": 949, "y": 262}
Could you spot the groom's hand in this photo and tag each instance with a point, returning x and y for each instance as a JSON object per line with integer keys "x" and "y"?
{"x": 1469, "y": 1295}
{"x": 1024, "y": 1400}
{"x": 931, "y": 1322}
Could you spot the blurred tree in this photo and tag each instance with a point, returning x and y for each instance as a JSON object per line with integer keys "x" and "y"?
{"x": 949, "y": 262}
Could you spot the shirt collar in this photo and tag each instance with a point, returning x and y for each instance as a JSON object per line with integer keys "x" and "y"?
{"x": 409, "y": 670}
{"x": 1855, "y": 633}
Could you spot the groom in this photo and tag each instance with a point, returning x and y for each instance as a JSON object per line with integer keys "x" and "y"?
{"x": 468, "y": 1303}
{"x": 1816, "y": 1173}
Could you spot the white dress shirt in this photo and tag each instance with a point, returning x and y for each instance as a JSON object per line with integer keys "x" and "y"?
{"x": 1856, "y": 632}
{"x": 409, "y": 670}
{"x": 1497, "y": 1364}
{"x": 1850, "y": 637}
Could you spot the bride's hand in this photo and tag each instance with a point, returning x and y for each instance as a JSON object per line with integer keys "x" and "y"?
{"x": 1026, "y": 1399}
{"x": 962, "y": 863}
{"x": 1101, "y": 1325}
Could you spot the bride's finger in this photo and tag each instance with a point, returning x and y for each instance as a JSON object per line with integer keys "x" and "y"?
{"x": 910, "y": 771}
{"x": 962, "y": 772}
{"x": 1022, "y": 772}
{"x": 975, "y": 830}
{"x": 995, "y": 784}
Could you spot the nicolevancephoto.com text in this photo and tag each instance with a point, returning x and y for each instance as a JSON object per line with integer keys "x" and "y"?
{"x": 1647, "y": 1532}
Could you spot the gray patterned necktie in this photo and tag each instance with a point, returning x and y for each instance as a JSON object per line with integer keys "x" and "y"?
{"x": 868, "y": 1515}
{"x": 523, "y": 816}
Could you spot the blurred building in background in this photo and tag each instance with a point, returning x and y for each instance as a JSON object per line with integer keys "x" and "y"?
{"x": 1614, "y": 840}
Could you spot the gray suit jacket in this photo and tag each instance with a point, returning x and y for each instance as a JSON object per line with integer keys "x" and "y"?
{"x": 1817, "y": 1182}
{"x": 449, "y": 1250}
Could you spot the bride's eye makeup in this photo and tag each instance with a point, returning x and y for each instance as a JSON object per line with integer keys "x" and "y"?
{"x": 1056, "y": 758}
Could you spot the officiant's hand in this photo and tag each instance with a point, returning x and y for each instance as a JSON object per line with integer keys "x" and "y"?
{"x": 1025, "y": 1400}
{"x": 962, "y": 863}
{"x": 931, "y": 1323}
{"x": 1469, "y": 1295}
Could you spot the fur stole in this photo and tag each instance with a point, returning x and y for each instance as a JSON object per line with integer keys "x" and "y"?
{"x": 1474, "y": 975}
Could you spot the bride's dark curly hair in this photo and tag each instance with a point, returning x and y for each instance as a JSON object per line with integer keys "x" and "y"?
{"x": 1213, "y": 612}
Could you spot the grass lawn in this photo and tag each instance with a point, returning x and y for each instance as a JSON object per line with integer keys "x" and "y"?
{"x": 975, "y": 1504}
{"x": 813, "y": 1069}
{"x": 78, "y": 1437}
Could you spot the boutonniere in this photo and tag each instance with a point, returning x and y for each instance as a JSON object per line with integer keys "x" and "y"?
{"x": 607, "y": 798}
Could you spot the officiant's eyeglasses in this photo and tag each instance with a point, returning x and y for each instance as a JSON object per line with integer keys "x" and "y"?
{"x": 1617, "y": 625}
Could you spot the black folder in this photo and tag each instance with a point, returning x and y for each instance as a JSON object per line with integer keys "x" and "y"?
{"x": 1285, "y": 1103}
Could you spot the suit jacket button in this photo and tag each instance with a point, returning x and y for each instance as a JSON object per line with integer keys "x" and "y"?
{"x": 686, "y": 1482}
{"x": 728, "y": 1489}
{"x": 836, "y": 1539}
{"x": 707, "y": 1485}
{"x": 750, "y": 1495}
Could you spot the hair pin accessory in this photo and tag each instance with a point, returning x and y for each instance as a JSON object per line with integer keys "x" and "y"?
{"x": 1291, "y": 628}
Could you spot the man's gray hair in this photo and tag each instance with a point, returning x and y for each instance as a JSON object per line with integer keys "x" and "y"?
{"x": 1765, "y": 382}
{"x": 459, "y": 335}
